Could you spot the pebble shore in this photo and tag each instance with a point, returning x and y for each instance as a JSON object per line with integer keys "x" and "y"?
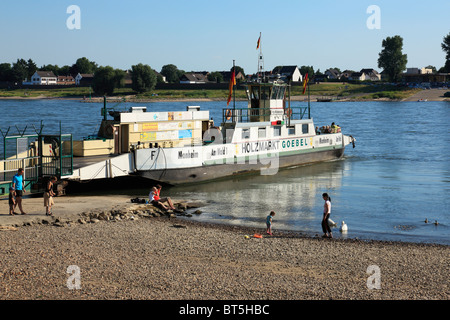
{"x": 135, "y": 254}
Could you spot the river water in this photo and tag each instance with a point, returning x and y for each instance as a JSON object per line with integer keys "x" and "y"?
{"x": 397, "y": 176}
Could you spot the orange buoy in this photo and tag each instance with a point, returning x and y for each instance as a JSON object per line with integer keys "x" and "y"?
{"x": 228, "y": 114}
{"x": 289, "y": 112}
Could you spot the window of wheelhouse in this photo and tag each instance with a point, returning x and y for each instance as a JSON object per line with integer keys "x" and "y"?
{"x": 261, "y": 132}
{"x": 305, "y": 128}
{"x": 277, "y": 131}
{"x": 245, "y": 134}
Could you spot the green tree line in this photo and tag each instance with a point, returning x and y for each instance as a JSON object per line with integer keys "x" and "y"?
{"x": 144, "y": 78}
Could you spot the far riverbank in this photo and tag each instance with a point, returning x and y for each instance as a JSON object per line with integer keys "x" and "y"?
{"x": 333, "y": 91}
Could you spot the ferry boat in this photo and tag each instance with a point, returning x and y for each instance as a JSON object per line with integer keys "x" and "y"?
{"x": 186, "y": 146}
{"x": 180, "y": 147}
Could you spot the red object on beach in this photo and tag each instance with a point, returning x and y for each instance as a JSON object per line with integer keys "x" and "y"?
{"x": 257, "y": 235}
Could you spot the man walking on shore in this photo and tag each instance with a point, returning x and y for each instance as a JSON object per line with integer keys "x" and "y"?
{"x": 18, "y": 184}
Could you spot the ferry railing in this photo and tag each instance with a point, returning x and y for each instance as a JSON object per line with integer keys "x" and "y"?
{"x": 9, "y": 167}
{"x": 260, "y": 114}
{"x": 39, "y": 155}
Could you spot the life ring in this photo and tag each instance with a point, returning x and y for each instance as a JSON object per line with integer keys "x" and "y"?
{"x": 289, "y": 112}
{"x": 228, "y": 114}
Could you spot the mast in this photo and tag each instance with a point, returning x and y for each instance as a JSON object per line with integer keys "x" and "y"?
{"x": 234, "y": 86}
{"x": 260, "y": 60}
{"x": 309, "y": 105}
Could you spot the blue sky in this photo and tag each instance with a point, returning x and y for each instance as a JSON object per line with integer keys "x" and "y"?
{"x": 208, "y": 35}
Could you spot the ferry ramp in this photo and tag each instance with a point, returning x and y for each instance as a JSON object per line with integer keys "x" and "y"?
{"x": 89, "y": 168}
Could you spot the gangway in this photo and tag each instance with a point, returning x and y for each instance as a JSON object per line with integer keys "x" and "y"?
{"x": 40, "y": 155}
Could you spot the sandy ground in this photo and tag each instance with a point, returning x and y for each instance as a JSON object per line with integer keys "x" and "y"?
{"x": 430, "y": 95}
{"x": 157, "y": 258}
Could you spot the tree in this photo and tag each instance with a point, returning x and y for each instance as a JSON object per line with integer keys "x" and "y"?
{"x": 446, "y": 48}
{"x": 50, "y": 67}
{"x": 19, "y": 71}
{"x": 31, "y": 67}
{"x": 106, "y": 79}
{"x": 307, "y": 70}
{"x": 171, "y": 72}
{"x": 64, "y": 70}
{"x": 215, "y": 76}
{"x": 5, "y": 72}
{"x": 238, "y": 69}
{"x": 144, "y": 78}
{"x": 83, "y": 65}
{"x": 391, "y": 58}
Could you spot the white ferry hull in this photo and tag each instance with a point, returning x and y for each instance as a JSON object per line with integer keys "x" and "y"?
{"x": 176, "y": 166}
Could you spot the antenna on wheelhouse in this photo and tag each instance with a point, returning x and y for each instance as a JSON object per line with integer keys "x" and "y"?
{"x": 260, "y": 60}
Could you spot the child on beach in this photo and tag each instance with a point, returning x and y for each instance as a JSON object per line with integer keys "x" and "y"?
{"x": 48, "y": 196}
{"x": 326, "y": 215}
{"x": 269, "y": 222}
{"x": 12, "y": 200}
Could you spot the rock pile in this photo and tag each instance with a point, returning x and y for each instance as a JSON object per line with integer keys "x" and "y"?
{"x": 137, "y": 211}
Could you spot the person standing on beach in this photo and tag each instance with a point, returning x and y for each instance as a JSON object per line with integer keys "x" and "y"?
{"x": 326, "y": 215}
{"x": 48, "y": 196}
{"x": 269, "y": 222}
{"x": 19, "y": 186}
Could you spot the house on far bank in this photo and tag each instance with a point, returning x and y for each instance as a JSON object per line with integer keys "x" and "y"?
{"x": 371, "y": 74}
{"x": 358, "y": 76}
{"x": 333, "y": 74}
{"x": 346, "y": 74}
{"x": 160, "y": 76}
{"x": 193, "y": 78}
{"x": 424, "y": 75}
{"x": 84, "y": 79}
{"x": 44, "y": 78}
{"x": 65, "y": 80}
{"x": 365, "y": 75}
{"x": 291, "y": 73}
{"x": 226, "y": 75}
{"x": 419, "y": 71}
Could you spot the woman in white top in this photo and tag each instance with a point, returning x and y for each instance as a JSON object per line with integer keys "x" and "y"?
{"x": 152, "y": 199}
{"x": 326, "y": 215}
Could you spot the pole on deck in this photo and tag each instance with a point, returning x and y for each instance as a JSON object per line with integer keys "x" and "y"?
{"x": 309, "y": 105}
{"x": 234, "y": 87}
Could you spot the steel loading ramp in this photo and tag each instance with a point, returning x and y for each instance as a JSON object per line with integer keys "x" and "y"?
{"x": 86, "y": 169}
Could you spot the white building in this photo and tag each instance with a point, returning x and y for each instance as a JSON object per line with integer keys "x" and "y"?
{"x": 84, "y": 78}
{"x": 291, "y": 73}
{"x": 44, "y": 78}
{"x": 419, "y": 71}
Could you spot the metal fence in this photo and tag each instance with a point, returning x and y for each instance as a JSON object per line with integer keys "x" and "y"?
{"x": 260, "y": 114}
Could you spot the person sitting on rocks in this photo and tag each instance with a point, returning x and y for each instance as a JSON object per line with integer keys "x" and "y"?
{"x": 167, "y": 199}
{"x": 152, "y": 199}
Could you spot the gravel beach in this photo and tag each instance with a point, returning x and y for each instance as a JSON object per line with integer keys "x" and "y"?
{"x": 145, "y": 257}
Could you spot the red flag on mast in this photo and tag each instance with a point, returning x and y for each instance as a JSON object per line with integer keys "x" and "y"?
{"x": 230, "y": 86}
{"x": 305, "y": 82}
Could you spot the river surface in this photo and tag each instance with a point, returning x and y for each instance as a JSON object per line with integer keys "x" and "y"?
{"x": 397, "y": 176}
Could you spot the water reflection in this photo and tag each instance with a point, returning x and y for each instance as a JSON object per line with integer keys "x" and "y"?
{"x": 294, "y": 194}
